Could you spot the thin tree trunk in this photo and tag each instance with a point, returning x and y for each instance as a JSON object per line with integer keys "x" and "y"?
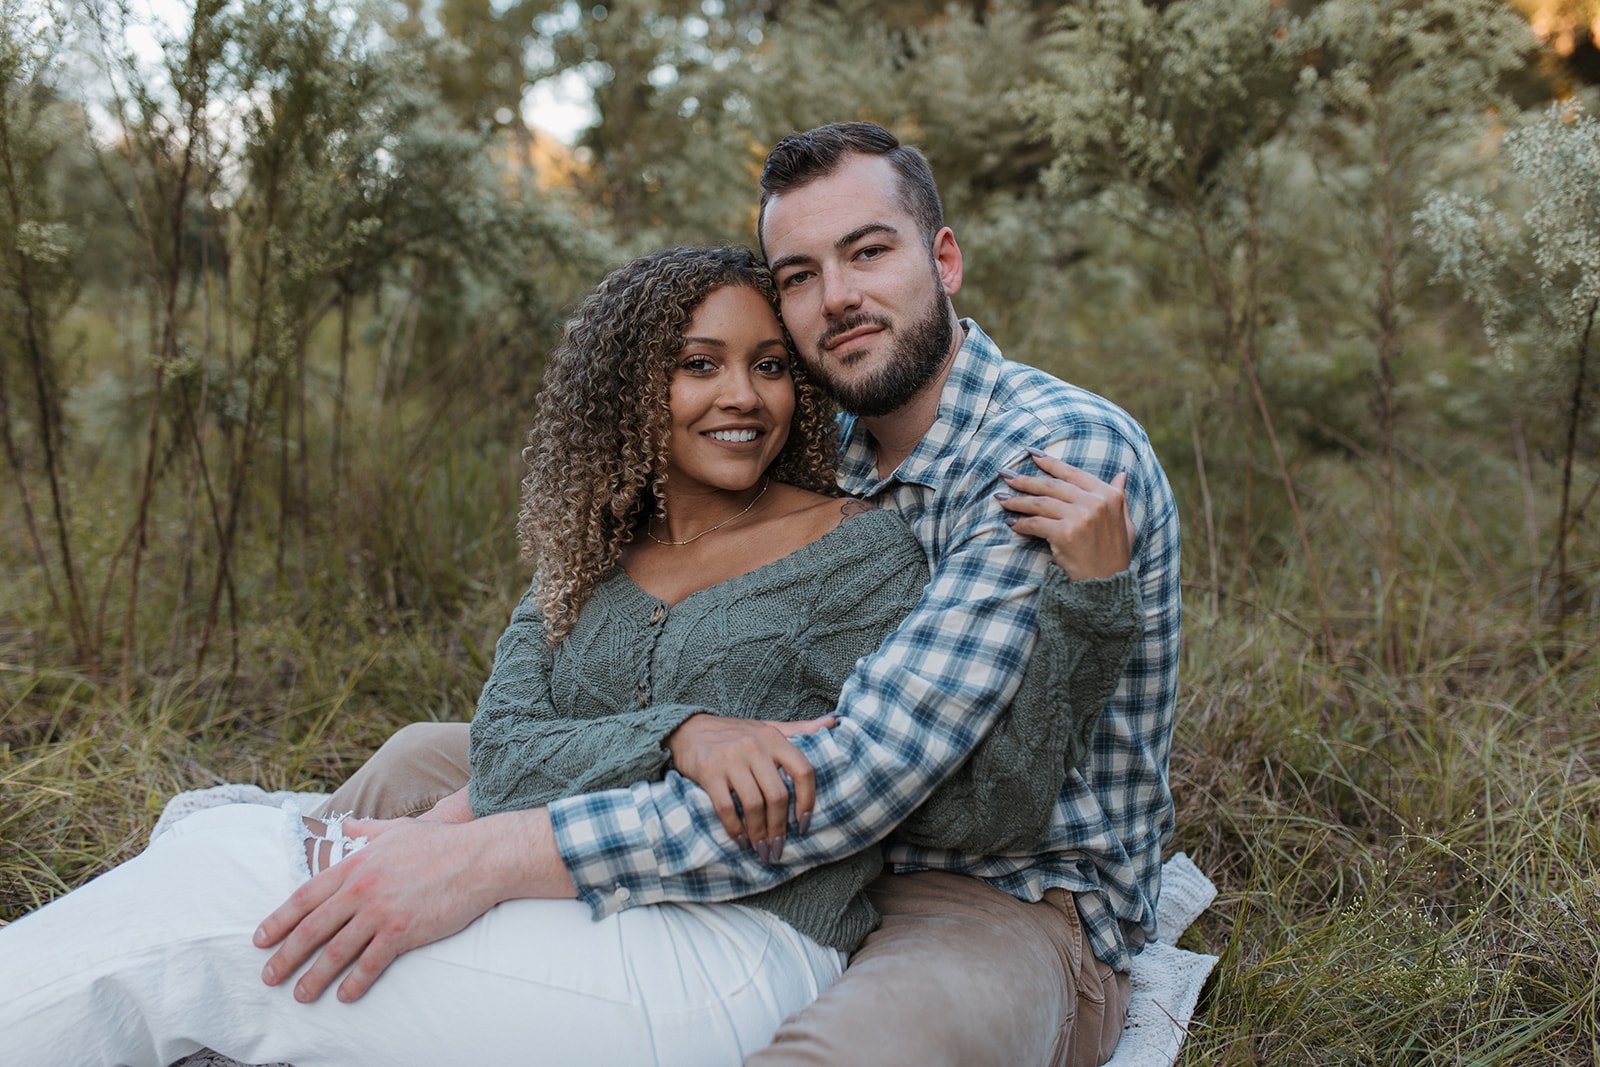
{"x": 283, "y": 482}
{"x": 198, "y": 474}
{"x": 193, "y": 123}
{"x": 1388, "y": 347}
{"x": 1574, "y": 418}
{"x": 391, "y": 367}
{"x": 1244, "y": 346}
{"x": 245, "y": 445}
{"x": 304, "y": 472}
{"x": 1206, "y": 511}
{"x": 1530, "y": 514}
{"x": 36, "y": 343}
{"x": 14, "y": 458}
{"x": 336, "y": 468}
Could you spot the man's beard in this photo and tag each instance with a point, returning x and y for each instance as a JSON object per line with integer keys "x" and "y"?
{"x": 912, "y": 361}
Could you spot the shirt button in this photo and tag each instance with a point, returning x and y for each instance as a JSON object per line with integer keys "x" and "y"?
{"x": 623, "y": 894}
{"x": 658, "y": 614}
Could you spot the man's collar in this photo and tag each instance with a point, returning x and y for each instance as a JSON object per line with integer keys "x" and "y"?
{"x": 962, "y": 404}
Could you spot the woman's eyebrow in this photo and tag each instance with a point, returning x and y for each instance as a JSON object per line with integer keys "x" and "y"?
{"x": 720, "y": 343}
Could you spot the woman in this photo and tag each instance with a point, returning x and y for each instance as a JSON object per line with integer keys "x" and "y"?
{"x": 679, "y": 505}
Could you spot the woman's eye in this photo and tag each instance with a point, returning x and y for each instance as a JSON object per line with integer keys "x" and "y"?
{"x": 776, "y": 367}
{"x": 695, "y": 364}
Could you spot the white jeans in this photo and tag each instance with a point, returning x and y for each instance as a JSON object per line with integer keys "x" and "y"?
{"x": 153, "y": 961}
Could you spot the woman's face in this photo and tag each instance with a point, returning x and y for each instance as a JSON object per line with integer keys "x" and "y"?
{"x": 731, "y": 394}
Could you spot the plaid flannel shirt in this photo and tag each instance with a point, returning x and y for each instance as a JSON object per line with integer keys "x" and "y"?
{"x": 913, "y": 710}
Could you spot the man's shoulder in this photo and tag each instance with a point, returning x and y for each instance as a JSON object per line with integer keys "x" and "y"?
{"x": 1031, "y": 407}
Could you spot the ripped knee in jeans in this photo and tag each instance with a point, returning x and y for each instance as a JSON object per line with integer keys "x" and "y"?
{"x": 325, "y": 842}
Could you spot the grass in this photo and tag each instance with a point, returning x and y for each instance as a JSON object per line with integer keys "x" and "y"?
{"x": 1406, "y": 861}
{"x": 1405, "y": 857}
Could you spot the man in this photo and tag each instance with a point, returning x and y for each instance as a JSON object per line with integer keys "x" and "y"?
{"x": 1011, "y": 959}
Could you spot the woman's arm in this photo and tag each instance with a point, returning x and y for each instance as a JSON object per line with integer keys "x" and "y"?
{"x": 1002, "y": 798}
{"x": 524, "y": 753}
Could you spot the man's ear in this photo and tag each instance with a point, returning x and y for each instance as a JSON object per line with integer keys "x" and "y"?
{"x": 947, "y": 260}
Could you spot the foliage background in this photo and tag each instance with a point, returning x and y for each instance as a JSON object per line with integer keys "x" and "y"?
{"x": 276, "y": 289}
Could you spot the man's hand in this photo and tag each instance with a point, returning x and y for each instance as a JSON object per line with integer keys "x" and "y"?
{"x": 738, "y": 760}
{"x": 413, "y": 884}
{"x": 1085, "y": 520}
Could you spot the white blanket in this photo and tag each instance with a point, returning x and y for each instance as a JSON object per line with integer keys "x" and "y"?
{"x": 1167, "y": 979}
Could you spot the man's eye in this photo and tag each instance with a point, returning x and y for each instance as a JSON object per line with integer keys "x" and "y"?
{"x": 792, "y": 280}
{"x": 871, "y": 252}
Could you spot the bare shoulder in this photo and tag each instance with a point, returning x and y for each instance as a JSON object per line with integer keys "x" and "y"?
{"x": 818, "y": 512}
{"x": 851, "y": 507}
{"x": 835, "y": 511}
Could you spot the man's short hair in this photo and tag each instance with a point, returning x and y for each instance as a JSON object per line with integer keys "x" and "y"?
{"x": 801, "y": 158}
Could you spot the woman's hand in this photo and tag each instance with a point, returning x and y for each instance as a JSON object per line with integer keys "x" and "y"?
{"x": 736, "y": 761}
{"x": 1085, "y": 520}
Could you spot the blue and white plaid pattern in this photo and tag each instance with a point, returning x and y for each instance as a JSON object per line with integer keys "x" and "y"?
{"x": 914, "y": 709}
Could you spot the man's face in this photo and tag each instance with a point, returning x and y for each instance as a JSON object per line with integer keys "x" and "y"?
{"x": 862, "y": 294}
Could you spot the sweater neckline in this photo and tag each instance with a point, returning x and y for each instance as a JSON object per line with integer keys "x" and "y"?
{"x": 767, "y": 571}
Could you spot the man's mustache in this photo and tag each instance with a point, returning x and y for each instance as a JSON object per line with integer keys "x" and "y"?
{"x": 845, "y": 325}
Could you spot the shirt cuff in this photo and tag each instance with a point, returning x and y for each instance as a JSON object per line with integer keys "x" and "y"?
{"x": 609, "y": 848}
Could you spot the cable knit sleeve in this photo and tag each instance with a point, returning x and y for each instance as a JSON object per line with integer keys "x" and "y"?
{"x": 524, "y": 754}
{"x": 1002, "y": 798}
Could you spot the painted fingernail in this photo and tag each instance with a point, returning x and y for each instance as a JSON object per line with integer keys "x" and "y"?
{"x": 1004, "y": 496}
{"x": 743, "y": 840}
{"x": 761, "y": 850}
{"x": 1007, "y": 472}
{"x": 268, "y": 975}
{"x": 1011, "y": 520}
{"x": 1038, "y": 453}
{"x": 777, "y": 848}
{"x": 803, "y": 821}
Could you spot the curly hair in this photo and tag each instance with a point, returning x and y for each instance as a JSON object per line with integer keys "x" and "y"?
{"x": 597, "y": 449}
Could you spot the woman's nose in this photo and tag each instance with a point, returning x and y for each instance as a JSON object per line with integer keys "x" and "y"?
{"x": 738, "y": 391}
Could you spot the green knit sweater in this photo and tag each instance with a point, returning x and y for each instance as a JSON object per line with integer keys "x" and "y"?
{"x": 593, "y": 712}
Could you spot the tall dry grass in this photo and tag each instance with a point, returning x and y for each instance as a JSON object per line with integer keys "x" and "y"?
{"x": 1406, "y": 857}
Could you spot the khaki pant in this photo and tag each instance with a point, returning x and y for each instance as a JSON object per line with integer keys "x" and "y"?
{"x": 417, "y": 767}
{"x": 959, "y": 973}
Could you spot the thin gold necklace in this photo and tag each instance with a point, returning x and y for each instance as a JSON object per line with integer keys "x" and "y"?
{"x": 649, "y": 527}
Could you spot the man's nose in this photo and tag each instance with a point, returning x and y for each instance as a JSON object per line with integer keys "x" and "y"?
{"x": 839, "y": 292}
